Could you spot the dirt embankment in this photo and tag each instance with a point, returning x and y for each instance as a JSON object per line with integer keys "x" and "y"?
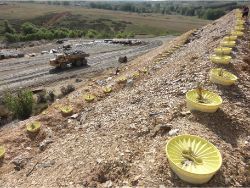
{"x": 114, "y": 140}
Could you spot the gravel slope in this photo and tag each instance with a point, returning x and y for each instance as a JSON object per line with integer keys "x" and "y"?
{"x": 115, "y": 142}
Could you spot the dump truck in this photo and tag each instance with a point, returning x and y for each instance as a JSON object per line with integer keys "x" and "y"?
{"x": 74, "y": 58}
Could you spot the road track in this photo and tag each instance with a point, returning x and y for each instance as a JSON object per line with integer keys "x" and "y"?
{"x": 35, "y": 71}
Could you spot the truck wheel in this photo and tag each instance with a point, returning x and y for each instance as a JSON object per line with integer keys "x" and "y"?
{"x": 84, "y": 62}
{"x": 79, "y": 63}
{"x": 73, "y": 64}
{"x": 63, "y": 66}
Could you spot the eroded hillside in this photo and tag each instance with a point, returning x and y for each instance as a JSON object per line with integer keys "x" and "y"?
{"x": 119, "y": 139}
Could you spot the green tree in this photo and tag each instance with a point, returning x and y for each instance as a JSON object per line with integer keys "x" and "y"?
{"x": 8, "y": 28}
{"x": 66, "y": 3}
{"x": 213, "y": 14}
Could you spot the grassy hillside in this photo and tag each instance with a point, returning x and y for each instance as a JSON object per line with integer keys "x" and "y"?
{"x": 84, "y": 18}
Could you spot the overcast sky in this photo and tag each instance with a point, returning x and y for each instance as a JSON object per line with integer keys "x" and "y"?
{"x": 131, "y": 0}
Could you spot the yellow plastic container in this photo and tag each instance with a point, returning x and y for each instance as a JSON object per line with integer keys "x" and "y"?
{"x": 238, "y": 15}
{"x": 210, "y": 103}
{"x": 220, "y": 59}
{"x": 239, "y": 28}
{"x": 222, "y": 51}
{"x": 89, "y": 97}
{"x": 229, "y": 44}
{"x": 44, "y": 112}
{"x": 66, "y": 111}
{"x": 143, "y": 70}
{"x": 122, "y": 80}
{"x": 230, "y": 38}
{"x": 2, "y": 152}
{"x": 237, "y": 33}
{"x": 240, "y": 22}
{"x": 33, "y": 127}
{"x": 107, "y": 89}
{"x": 160, "y": 58}
{"x": 193, "y": 159}
{"x": 136, "y": 74}
{"x": 226, "y": 78}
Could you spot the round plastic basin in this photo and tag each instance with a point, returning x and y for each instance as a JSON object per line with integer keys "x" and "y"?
{"x": 224, "y": 78}
{"x": 107, "y": 89}
{"x": 239, "y": 28}
{"x": 66, "y": 111}
{"x": 2, "y": 152}
{"x": 225, "y": 59}
{"x": 229, "y": 44}
{"x": 240, "y": 22}
{"x": 193, "y": 159}
{"x": 210, "y": 101}
{"x": 122, "y": 80}
{"x": 33, "y": 127}
{"x": 89, "y": 97}
{"x": 230, "y": 38}
{"x": 237, "y": 33}
{"x": 222, "y": 51}
{"x": 143, "y": 70}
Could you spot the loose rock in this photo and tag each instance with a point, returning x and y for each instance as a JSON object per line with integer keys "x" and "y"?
{"x": 173, "y": 132}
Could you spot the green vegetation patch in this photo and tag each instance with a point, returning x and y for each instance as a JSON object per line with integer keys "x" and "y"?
{"x": 20, "y": 104}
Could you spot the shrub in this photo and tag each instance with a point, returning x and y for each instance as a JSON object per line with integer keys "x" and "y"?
{"x": 28, "y": 28}
{"x": 19, "y": 104}
{"x": 12, "y": 37}
{"x": 119, "y": 35}
{"x": 125, "y": 35}
{"x": 8, "y": 28}
{"x": 60, "y": 33}
{"x": 91, "y": 34}
{"x": 131, "y": 35}
{"x": 213, "y": 14}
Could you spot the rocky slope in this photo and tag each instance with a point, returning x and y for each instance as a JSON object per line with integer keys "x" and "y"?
{"x": 119, "y": 139}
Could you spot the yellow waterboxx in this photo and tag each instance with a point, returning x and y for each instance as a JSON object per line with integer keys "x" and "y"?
{"x": 230, "y": 38}
{"x": 239, "y": 28}
{"x": 222, "y": 51}
{"x": 211, "y": 103}
{"x": 229, "y": 44}
{"x": 2, "y": 152}
{"x": 225, "y": 59}
{"x": 66, "y": 111}
{"x": 237, "y": 33}
{"x": 220, "y": 76}
{"x": 107, "y": 89}
{"x": 193, "y": 159}
{"x": 33, "y": 127}
{"x": 240, "y": 22}
{"x": 122, "y": 79}
{"x": 89, "y": 97}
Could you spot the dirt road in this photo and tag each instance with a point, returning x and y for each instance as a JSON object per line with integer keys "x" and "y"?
{"x": 35, "y": 71}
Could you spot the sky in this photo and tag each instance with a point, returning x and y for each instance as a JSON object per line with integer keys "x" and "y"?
{"x": 129, "y": 0}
